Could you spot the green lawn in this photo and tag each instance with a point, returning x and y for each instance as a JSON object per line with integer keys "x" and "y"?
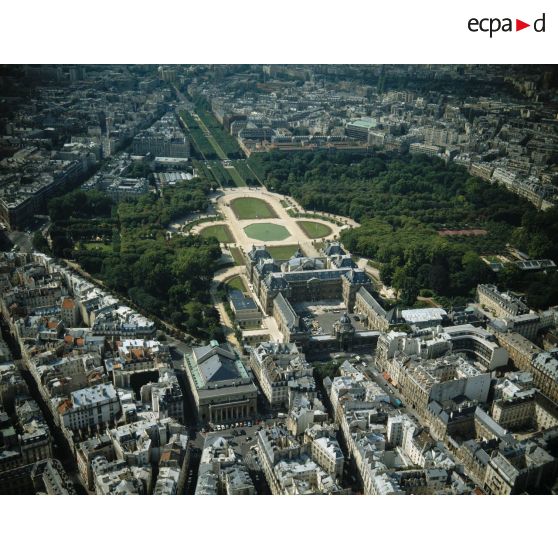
{"x": 209, "y": 137}
{"x": 238, "y": 180}
{"x": 267, "y": 232}
{"x": 200, "y": 142}
{"x": 99, "y": 246}
{"x": 282, "y": 252}
{"x": 237, "y": 256}
{"x": 252, "y": 208}
{"x": 246, "y": 173}
{"x": 227, "y": 146}
{"x": 216, "y": 146}
{"x": 221, "y": 232}
{"x": 237, "y": 283}
{"x": 314, "y": 230}
{"x": 221, "y": 175}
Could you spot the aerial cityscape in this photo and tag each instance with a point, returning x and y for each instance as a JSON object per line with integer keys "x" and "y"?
{"x": 279, "y": 279}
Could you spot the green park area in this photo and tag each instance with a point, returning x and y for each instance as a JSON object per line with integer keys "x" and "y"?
{"x": 169, "y": 278}
{"x": 237, "y": 283}
{"x": 246, "y": 173}
{"x": 266, "y": 232}
{"x": 202, "y": 145}
{"x": 314, "y": 230}
{"x": 221, "y": 232}
{"x": 282, "y": 252}
{"x": 402, "y": 202}
{"x": 225, "y": 145}
{"x": 252, "y": 208}
{"x": 235, "y": 175}
{"x": 97, "y": 246}
{"x": 237, "y": 256}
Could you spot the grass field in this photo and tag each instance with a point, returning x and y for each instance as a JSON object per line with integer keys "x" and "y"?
{"x": 221, "y": 175}
{"x": 221, "y": 232}
{"x": 227, "y": 146}
{"x": 314, "y": 230}
{"x": 99, "y": 246}
{"x": 246, "y": 173}
{"x": 238, "y": 180}
{"x": 200, "y": 141}
{"x": 213, "y": 141}
{"x": 282, "y": 252}
{"x": 267, "y": 232}
{"x": 237, "y": 283}
{"x": 252, "y": 208}
{"x": 237, "y": 256}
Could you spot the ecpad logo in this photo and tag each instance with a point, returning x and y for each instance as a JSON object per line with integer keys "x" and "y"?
{"x": 494, "y": 24}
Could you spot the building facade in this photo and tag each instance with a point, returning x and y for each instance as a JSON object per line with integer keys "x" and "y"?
{"x": 222, "y": 388}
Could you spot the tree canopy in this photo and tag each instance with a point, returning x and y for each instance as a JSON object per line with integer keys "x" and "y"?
{"x": 127, "y": 246}
{"x": 402, "y": 203}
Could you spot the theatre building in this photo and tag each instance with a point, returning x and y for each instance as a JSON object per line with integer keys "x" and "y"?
{"x": 222, "y": 387}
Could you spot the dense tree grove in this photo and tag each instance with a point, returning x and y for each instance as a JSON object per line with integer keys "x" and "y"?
{"x": 402, "y": 202}
{"x": 364, "y": 185}
{"x": 79, "y": 203}
{"x": 40, "y": 243}
{"x": 127, "y": 247}
{"x": 414, "y": 257}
